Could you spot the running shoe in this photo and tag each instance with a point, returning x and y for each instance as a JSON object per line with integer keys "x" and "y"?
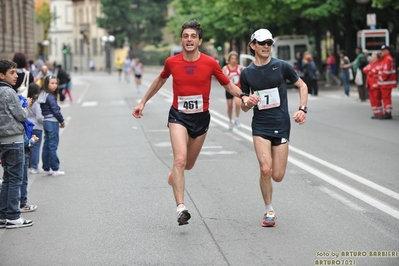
{"x": 231, "y": 125}
{"x": 237, "y": 124}
{"x": 170, "y": 178}
{"x": 269, "y": 219}
{"x": 183, "y": 216}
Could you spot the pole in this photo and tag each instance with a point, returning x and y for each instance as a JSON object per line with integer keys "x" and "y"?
{"x": 108, "y": 58}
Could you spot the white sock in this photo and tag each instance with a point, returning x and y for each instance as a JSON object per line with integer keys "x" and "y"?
{"x": 180, "y": 207}
{"x": 269, "y": 208}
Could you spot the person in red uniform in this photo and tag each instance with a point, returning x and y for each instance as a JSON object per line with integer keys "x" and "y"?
{"x": 189, "y": 115}
{"x": 371, "y": 71}
{"x": 232, "y": 70}
{"x": 387, "y": 81}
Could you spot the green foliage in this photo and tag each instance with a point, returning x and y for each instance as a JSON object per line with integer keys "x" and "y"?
{"x": 140, "y": 20}
{"x": 44, "y": 16}
{"x": 226, "y": 20}
{"x": 386, "y": 4}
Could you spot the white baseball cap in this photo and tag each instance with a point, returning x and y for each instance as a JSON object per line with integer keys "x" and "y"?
{"x": 262, "y": 35}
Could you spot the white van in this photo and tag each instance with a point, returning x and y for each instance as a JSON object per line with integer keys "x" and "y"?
{"x": 246, "y": 60}
{"x": 285, "y": 47}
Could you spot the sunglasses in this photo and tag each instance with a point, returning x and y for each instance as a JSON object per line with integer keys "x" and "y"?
{"x": 269, "y": 43}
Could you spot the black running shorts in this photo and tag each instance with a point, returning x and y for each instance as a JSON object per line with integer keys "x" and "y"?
{"x": 275, "y": 141}
{"x": 196, "y": 124}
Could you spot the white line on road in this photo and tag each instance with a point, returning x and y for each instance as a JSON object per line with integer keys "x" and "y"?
{"x": 352, "y": 191}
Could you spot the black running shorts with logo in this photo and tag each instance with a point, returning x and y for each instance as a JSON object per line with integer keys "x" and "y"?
{"x": 275, "y": 141}
{"x": 196, "y": 124}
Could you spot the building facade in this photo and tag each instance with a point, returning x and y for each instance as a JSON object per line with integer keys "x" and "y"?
{"x": 17, "y": 26}
{"x": 87, "y": 46}
{"x": 61, "y": 33}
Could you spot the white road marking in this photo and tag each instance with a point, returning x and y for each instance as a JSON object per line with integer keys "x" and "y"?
{"x": 342, "y": 199}
{"x": 352, "y": 191}
{"x": 89, "y": 104}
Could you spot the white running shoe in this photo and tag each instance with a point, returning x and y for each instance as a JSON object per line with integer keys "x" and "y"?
{"x": 237, "y": 123}
{"x": 231, "y": 125}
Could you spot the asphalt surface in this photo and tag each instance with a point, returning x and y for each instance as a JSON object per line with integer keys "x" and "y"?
{"x": 114, "y": 206}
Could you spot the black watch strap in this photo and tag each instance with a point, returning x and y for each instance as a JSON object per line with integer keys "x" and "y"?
{"x": 303, "y": 108}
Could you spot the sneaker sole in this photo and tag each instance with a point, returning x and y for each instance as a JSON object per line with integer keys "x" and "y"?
{"x": 184, "y": 217}
{"x": 28, "y": 210}
{"x": 268, "y": 224}
{"x": 15, "y": 226}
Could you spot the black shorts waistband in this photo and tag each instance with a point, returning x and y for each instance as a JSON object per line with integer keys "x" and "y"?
{"x": 193, "y": 114}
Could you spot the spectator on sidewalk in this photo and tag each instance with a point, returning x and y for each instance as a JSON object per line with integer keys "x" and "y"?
{"x": 52, "y": 122}
{"x": 346, "y": 72}
{"x": 360, "y": 80}
{"x": 44, "y": 72}
{"x": 331, "y": 70}
{"x": 63, "y": 82}
{"x": 12, "y": 115}
{"x": 22, "y": 68}
{"x": 310, "y": 74}
{"x": 23, "y": 202}
{"x": 35, "y": 115}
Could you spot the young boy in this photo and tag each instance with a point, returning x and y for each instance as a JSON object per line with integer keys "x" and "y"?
{"x": 12, "y": 115}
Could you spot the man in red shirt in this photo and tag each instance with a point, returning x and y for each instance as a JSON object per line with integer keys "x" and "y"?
{"x": 387, "y": 81}
{"x": 189, "y": 116}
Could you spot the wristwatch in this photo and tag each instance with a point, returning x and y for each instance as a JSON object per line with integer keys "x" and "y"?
{"x": 303, "y": 108}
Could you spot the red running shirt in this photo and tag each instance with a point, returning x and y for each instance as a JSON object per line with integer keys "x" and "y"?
{"x": 192, "y": 81}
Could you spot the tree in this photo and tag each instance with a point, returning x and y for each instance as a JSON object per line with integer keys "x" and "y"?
{"x": 141, "y": 21}
{"x": 237, "y": 19}
{"x": 44, "y": 16}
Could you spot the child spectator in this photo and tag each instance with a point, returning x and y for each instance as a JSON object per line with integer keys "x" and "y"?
{"x": 52, "y": 122}
{"x": 23, "y": 203}
{"x": 35, "y": 115}
{"x": 12, "y": 115}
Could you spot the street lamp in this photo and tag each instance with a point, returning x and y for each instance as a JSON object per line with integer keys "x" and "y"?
{"x": 107, "y": 40}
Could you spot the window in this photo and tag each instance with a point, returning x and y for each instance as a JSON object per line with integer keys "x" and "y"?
{"x": 283, "y": 52}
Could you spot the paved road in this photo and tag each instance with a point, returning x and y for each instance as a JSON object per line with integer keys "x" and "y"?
{"x": 339, "y": 199}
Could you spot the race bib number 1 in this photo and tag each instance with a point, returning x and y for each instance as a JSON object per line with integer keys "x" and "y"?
{"x": 190, "y": 104}
{"x": 269, "y": 98}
